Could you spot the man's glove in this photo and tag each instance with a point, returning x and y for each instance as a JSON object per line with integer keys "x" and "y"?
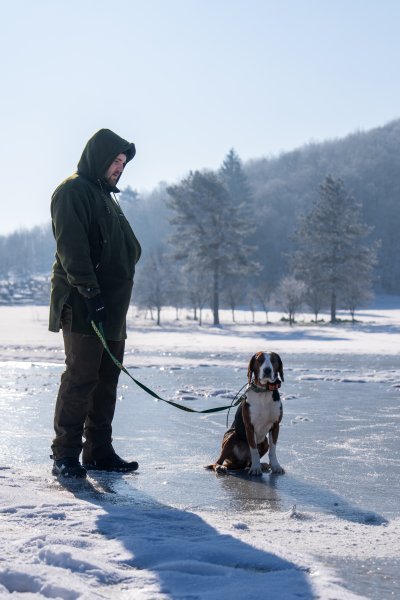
{"x": 96, "y": 309}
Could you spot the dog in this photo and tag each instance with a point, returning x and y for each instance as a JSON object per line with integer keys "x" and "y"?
{"x": 258, "y": 415}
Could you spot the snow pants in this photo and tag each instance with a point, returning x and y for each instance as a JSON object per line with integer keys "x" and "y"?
{"x": 87, "y": 395}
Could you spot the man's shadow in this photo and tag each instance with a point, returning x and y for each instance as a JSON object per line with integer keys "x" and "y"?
{"x": 189, "y": 557}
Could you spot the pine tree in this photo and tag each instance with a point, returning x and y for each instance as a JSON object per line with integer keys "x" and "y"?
{"x": 210, "y": 232}
{"x": 330, "y": 251}
{"x": 235, "y": 180}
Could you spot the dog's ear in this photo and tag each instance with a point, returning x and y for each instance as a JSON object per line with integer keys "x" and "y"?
{"x": 280, "y": 367}
{"x": 250, "y": 369}
{"x": 280, "y": 370}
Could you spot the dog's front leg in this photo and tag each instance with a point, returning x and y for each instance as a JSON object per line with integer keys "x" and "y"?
{"x": 273, "y": 439}
{"x": 255, "y": 466}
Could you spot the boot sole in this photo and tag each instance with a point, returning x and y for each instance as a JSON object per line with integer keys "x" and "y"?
{"x": 68, "y": 474}
{"x": 112, "y": 469}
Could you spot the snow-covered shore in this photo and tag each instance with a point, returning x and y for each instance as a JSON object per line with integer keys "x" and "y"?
{"x": 327, "y": 529}
{"x": 24, "y": 335}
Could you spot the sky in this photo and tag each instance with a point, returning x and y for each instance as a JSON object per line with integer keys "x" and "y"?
{"x": 186, "y": 80}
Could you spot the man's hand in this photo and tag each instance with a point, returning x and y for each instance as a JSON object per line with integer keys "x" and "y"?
{"x": 96, "y": 309}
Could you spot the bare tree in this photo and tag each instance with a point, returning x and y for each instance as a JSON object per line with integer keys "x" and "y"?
{"x": 153, "y": 283}
{"x": 290, "y": 295}
{"x": 233, "y": 293}
{"x": 262, "y": 294}
{"x": 356, "y": 294}
{"x": 198, "y": 293}
{"x": 316, "y": 298}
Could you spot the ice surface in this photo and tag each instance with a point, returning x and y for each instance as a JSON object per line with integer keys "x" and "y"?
{"x": 329, "y": 528}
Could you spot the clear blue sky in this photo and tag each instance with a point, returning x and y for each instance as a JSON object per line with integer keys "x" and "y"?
{"x": 186, "y": 80}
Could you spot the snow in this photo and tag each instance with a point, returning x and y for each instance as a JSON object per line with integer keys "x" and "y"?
{"x": 329, "y": 528}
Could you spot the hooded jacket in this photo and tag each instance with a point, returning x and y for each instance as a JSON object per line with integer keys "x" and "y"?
{"x": 96, "y": 249}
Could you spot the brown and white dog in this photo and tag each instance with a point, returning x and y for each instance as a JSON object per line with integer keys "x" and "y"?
{"x": 257, "y": 416}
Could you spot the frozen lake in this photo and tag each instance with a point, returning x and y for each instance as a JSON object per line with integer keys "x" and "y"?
{"x": 339, "y": 445}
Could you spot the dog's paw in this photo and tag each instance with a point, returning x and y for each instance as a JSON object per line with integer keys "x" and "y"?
{"x": 265, "y": 467}
{"x": 221, "y": 470}
{"x": 277, "y": 470}
{"x": 255, "y": 471}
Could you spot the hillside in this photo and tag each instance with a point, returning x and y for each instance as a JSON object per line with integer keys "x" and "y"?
{"x": 284, "y": 187}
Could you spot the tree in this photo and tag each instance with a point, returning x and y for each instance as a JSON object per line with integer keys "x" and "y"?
{"x": 153, "y": 283}
{"x": 316, "y": 298}
{"x": 251, "y": 302}
{"x": 262, "y": 294}
{"x": 330, "y": 250}
{"x": 355, "y": 292}
{"x": 176, "y": 289}
{"x": 27, "y": 251}
{"x": 289, "y": 295}
{"x": 316, "y": 295}
{"x": 233, "y": 293}
{"x": 235, "y": 180}
{"x": 198, "y": 293}
{"x": 210, "y": 231}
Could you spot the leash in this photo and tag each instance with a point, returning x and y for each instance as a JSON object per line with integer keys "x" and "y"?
{"x": 238, "y": 401}
{"x": 100, "y": 334}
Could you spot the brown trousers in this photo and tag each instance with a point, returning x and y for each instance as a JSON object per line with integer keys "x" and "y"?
{"x": 87, "y": 395}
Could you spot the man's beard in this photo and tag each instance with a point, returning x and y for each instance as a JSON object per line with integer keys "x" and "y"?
{"x": 112, "y": 181}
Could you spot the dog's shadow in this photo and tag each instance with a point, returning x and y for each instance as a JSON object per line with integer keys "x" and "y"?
{"x": 281, "y": 492}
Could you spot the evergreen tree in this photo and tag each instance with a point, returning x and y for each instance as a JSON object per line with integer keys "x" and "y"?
{"x": 235, "y": 180}
{"x": 210, "y": 231}
{"x": 330, "y": 252}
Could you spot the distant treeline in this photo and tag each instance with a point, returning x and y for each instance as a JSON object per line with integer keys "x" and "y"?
{"x": 282, "y": 190}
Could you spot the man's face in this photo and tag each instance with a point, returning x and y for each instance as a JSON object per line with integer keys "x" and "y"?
{"x": 114, "y": 171}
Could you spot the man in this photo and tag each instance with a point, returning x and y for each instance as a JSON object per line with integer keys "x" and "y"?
{"x": 92, "y": 279}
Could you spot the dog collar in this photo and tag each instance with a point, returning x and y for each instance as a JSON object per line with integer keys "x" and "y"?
{"x": 268, "y": 387}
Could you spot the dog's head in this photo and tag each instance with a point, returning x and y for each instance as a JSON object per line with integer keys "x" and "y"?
{"x": 264, "y": 367}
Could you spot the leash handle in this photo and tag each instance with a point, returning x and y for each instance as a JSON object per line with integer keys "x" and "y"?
{"x": 100, "y": 334}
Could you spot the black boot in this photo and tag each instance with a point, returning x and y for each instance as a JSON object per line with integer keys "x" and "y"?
{"x": 113, "y": 462}
{"x": 68, "y": 467}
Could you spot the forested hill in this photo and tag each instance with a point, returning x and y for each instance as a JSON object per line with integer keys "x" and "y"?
{"x": 369, "y": 164}
{"x": 283, "y": 188}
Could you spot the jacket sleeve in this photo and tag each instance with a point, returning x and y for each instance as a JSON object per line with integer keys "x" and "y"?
{"x": 71, "y": 215}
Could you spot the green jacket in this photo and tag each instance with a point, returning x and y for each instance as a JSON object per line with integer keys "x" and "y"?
{"x": 96, "y": 248}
